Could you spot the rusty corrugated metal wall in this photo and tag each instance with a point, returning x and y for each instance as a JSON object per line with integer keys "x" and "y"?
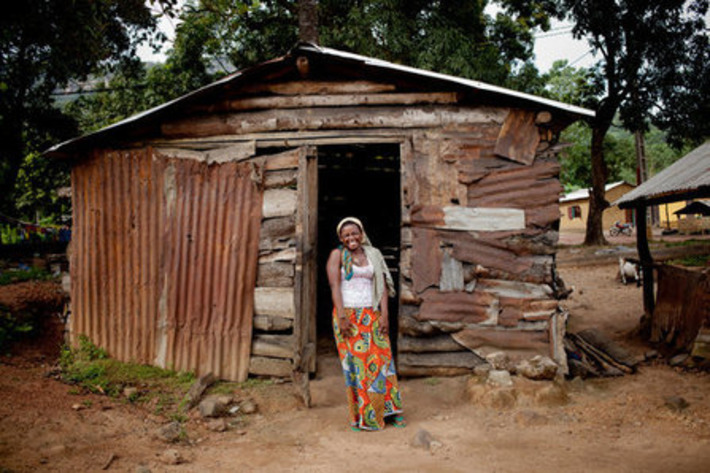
{"x": 164, "y": 260}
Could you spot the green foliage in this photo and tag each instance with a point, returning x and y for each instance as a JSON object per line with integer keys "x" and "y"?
{"x": 11, "y": 329}
{"x": 90, "y": 368}
{"x": 619, "y": 152}
{"x": 21, "y": 275}
{"x": 46, "y": 44}
{"x": 695, "y": 261}
{"x": 38, "y": 180}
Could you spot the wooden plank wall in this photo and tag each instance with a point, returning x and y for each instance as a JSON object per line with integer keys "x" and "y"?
{"x": 479, "y": 213}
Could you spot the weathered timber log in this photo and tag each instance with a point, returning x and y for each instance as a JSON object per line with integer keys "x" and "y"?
{"x": 288, "y": 255}
{"x": 426, "y": 259}
{"x": 470, "y": 219}
{"x": 518, "y": 138}
{"x": 272, "y": 323}
{"x": 278, "y": 227}
{"x": 279, "y": 203}
{"x": 264, "y": 366}
{"x": 543, "y": 117}
{"x": 282, "y": 178}
{"x": 599, "y": 340}
{"x": 502, "y": 339}
{"x": 473, "y": 308}
{"x": 520, "y": 187}
{"x": 281, "y": 161}
{"x": 411, "y": 326}
{"x": 232, "y": 152}
{"x": 274, "y": 301}
{"x": 594, "y": 357}
{"x": 439, "y": 343}
{"x": 277, "y": 274}
{"x": 308, "y": 87}
{"x": 458, "y": 359}
{"x": 322, "y": 100}
{"x": 273, "y": 346}
{"x": 270, "y": 245}
{"x": 327, "y": 118}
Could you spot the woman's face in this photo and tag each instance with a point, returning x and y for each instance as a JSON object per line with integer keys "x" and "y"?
{"x": 351, "y": 236}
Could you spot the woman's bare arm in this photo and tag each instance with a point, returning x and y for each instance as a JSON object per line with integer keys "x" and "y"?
{"x": 333, "y": 269}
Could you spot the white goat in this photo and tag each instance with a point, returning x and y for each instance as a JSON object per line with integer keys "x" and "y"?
{"x": 629, "y": 271}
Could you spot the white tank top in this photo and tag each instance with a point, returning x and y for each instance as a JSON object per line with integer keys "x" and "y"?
{"x": 357, "y": 292}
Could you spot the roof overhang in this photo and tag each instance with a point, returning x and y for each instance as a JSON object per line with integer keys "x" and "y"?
{"x": 369, "y": 66}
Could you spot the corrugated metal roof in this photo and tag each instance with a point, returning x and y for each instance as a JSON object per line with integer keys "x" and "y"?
{"x": 686, "y": 178}
{"x": 355, "y": 59}
{"x": 584, "y": 193}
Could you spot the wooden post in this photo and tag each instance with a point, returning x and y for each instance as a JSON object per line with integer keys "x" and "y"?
{"x": 646, "y": 265}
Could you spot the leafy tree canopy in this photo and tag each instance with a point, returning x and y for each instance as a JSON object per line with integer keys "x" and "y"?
{"x": 45, "y": 44}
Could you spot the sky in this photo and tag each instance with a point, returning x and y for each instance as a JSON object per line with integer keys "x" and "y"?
{"x": 549, "y": 46}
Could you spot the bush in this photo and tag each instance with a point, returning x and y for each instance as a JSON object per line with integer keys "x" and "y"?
{"x": 11, "y": 329}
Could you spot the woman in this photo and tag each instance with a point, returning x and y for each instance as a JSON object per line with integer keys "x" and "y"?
{"x": 360, "y": 284}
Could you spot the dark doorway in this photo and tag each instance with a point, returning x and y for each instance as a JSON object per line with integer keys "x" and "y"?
{"x": 362, "y": 181}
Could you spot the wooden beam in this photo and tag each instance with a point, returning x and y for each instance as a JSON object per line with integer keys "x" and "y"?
{"x": 274, "y": 301}
{"x": 328, "y": 119}
{"x": 274, "y": 346}
{"x": 646, "y": 264}
{"x": 340, "y": 100}
{"x": 307, "y": 87}
{"x": 264, "y": 366}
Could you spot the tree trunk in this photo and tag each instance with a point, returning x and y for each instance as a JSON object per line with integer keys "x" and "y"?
{"x": 597, "y": 199}
{"x": 308, "y": 21}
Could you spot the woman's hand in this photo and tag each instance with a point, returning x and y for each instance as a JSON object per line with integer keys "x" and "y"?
{"x": 344, "y": 324}
{"x": 384, "y": 325}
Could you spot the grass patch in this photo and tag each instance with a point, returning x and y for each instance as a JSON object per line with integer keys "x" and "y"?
{"x": 90, "y": 369}
{"x": 21, "y": 275}
{"x": 12, "y": 329}
{"x": 691, "y": 242}
{"x": 694, "y": 260}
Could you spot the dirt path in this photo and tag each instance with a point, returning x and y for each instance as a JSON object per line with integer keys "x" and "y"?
{"x": 620, "y": 425}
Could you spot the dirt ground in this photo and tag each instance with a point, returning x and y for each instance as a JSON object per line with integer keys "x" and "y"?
{"x": 614, "y": 424}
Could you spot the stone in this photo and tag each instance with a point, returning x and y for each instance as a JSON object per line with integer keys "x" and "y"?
{"x": 197, "y": 389}
{"x": 248, "y": 406}
{"x": 678, "y": 359}
{"x": 142, "y": 469}
{"x": 551, "y": 395}
{"x": 677, "y": 403}
{"x": 170, "y": 432}
{"x": 537, "y": 368}
{"x": 130, "y": 392}
{"x": 422, "y": 439}
{"x": 217, "y": 425}
{"x": 651, "y": 355}
{"x": 499, "y": 378}
{"x": 171, "y": 457}
{"x": 212, "y": 407}
{"x": 499, "y": 361}
{"x": 482, "y": 370}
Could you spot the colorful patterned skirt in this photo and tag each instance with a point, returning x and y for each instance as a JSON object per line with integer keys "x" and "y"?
{"x": 368, "y": 366}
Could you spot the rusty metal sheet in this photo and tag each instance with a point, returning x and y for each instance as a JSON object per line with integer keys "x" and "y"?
{"x": 682, "y": 306}
{"x": 164, "y": 260}
{"x": 519, "y": 137}
{"x": 426, "y": 259}
{"x": 464, "y": 307}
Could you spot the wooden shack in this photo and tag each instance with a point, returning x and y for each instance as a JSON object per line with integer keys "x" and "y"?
{"x": 201, "y": 226}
